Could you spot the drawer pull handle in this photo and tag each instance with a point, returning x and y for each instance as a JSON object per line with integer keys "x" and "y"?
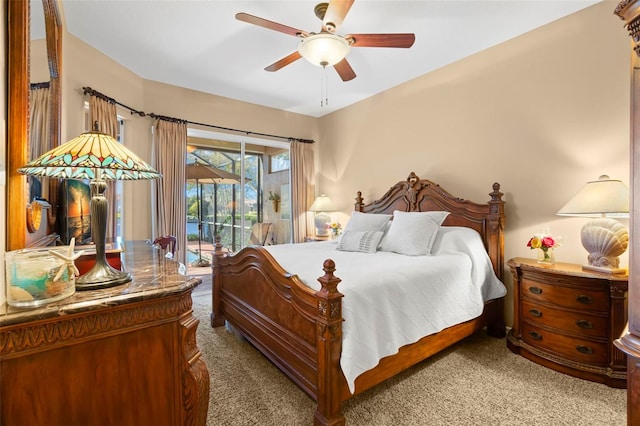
{"x": 535, "y": 313}
{"x": 586, "y": 300}
{"x": 584, "y": 349}
{"x": 584, "y": 324}
{"x": 535, "y": 290}
{"x": 535, "y": 336}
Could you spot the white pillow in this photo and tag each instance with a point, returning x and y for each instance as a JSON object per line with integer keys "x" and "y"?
{"x": 412, "y": 233}
{"x": 367, "y": 222}
{"x": 361, "y": 241}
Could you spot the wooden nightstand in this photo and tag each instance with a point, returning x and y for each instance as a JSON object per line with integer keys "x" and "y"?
{"x": 567, "y": 319}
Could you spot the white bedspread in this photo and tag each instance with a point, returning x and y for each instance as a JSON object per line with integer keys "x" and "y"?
{"x": 391, "y": 300}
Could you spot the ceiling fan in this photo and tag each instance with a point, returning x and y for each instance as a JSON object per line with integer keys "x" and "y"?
{"x": 326, "y": 48}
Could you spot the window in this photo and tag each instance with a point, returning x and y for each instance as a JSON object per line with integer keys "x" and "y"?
{"x": 230, "y": 211}
{"x": 279, "y": 162}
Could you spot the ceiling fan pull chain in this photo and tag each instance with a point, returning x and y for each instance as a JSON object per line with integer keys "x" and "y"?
{"x": 321, "y": 89}
{"x": 324, "y": 88}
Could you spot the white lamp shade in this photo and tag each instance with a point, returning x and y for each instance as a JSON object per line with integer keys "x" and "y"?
{"x": 604, "y": 238}
{"x": 322, "y": 204}
{"x": 600, "y": 198}
{"x": 323, "y": 49}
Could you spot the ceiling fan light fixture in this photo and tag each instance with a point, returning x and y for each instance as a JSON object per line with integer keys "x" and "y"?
{"x": 323, "y": 49}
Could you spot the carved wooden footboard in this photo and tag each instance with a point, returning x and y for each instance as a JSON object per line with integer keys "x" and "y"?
{"x": 297, "y": 328}
{"x": 300, "y": 330}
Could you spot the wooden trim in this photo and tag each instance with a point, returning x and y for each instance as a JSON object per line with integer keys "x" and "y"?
{"x": 18, "y": 24}
{"x": 18, "y": 127}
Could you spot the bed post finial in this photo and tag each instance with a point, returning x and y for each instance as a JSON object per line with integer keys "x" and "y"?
{"x": 496, "y": 195}
{"x": 329, "y": 344}
{"x": 495, "y": 230}
{"x": 413, "y": 187}
{"x": 359, "y": 202}
{"x": 217, "y": 246}
{"x": 217, "y": 319}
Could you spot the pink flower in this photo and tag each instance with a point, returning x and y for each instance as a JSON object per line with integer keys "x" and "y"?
{"x": 548, "y": 242}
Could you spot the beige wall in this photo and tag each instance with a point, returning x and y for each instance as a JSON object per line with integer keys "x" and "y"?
{"x": 541, "y": 114}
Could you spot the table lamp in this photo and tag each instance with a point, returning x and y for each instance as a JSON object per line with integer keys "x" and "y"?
{"x": 604, "y": 238}
{"x": 321, "y": 206}
{"x": 97, "y": 157}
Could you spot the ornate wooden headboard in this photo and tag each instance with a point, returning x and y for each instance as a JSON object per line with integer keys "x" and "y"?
{"x": 422, "y": 195}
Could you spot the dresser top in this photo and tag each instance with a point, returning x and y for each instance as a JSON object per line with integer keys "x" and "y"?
{"x": 153, "y": 275}
{"x": 561, "y": 268}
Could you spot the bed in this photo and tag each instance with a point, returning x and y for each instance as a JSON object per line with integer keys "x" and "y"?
{"x": 300, "y": 329}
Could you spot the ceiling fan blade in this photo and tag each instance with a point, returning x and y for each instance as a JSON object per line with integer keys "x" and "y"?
{"x": 335, "y": 14}
{"x": 344, "y": 70}
{"x": 265, "y": 23}
{"x": 382, "y": 40}
{"x": 284, "y": 62}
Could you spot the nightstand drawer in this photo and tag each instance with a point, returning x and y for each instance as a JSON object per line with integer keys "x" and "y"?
{"x": 579, "y": 323}
{"x": 568, "y": 297}
{"x": 570, "y": 348}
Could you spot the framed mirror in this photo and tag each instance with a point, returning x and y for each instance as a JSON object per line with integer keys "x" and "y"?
{"x": 18, "y": 46}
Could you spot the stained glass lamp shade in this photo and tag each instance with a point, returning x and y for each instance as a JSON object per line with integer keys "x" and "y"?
{"x": 97, "y": 157}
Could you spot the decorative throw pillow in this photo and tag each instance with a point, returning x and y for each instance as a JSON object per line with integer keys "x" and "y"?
{"x": 361, "y": 241}
{"x": 412, "y": 233}
{"x": 367, "y": 222}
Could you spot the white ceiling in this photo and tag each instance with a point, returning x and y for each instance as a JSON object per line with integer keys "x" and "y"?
{"x": 201, "y": 46}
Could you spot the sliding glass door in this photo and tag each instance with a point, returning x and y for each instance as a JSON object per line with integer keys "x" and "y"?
{"x": 237, "y": 206}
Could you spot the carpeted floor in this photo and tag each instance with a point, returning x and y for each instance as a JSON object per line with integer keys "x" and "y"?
{"x": 476, "y": 382}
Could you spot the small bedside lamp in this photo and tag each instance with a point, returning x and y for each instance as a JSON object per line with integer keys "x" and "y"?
{"x": 321, "y": 206}
{"x": 98, "y": 157}
{"x": 604, "y": 238}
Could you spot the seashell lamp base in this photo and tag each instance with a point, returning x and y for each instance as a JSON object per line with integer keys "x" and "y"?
{"x": 605, "y": 239}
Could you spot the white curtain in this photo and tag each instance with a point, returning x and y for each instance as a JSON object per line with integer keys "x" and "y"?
{"x": 40, "y": 140}
{"x": 170, "y": 215}
{"x": 302, "y": 189}
{"x": 103, "y": 117}
{"x": 39, "y": 122}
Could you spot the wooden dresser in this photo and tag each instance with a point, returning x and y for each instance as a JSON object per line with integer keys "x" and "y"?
{"x": 567, "y": 319}
{"x": 126, "y": 355}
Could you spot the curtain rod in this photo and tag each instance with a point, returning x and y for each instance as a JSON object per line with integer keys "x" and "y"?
{"x": 246, "y": 132}
{"x": 90, "y": 91}
{"x": 42, "y": 85}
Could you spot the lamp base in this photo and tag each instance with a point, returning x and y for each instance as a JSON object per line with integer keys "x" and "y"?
{"x": 322, "y": 221}
{"x": 102, "y": 275}
{"x": 604, "y": 239}
{"x": 604, "y": 269}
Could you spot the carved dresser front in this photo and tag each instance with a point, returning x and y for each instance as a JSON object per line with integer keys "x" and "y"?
{"x": 126, "y": 355}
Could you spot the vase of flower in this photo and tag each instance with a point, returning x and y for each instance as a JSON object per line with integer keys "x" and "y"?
{"x": 545, "y": 245}
{"x": 335, "y": 229}
{"x": 546, "y": 256}
{"x": 275, "y": 199}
